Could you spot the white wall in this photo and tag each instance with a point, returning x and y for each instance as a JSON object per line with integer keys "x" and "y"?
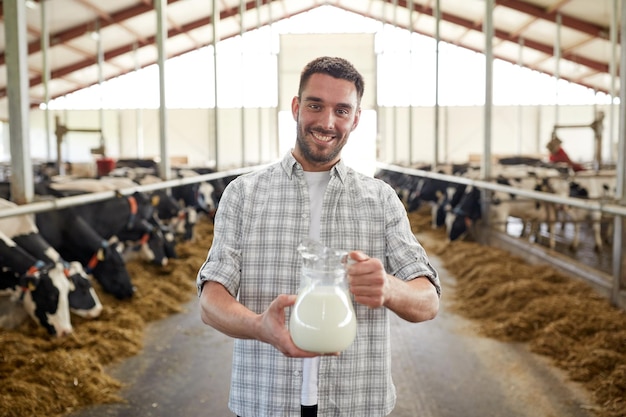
{"x": 190, "y": 134}
{"x": 515, "y": 130}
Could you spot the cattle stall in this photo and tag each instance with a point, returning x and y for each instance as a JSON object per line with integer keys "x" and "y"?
{"x": 593, "y": 265}
{"x": 10, "y": 314}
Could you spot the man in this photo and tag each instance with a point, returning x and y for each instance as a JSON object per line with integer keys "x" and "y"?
{"x": 249, "y": 280}
{"x": 558, "y": 154}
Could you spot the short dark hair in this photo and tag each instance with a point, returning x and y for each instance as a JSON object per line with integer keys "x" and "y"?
{"x": 335, "y": 67}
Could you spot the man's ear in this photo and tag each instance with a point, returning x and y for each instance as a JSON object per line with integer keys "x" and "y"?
{"x": 357, "y": 117}
{"x": 295, "y": 107}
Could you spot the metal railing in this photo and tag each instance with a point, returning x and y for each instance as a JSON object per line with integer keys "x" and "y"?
{"x": 64, "y": 202}
{"x": 617, "y": 286}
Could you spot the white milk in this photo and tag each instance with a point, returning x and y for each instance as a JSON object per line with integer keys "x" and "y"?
{"x": 323, "y": 320}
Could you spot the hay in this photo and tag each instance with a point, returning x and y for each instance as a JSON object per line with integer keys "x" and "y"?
{"x": 51, "y": 377}
{"x": 557, "y": 316}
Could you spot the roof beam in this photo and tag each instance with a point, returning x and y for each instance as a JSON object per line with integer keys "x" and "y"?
{"x": 551, "y": 15}
{"x": 540, "y": 13}
{"x": 110, "y": 54}
{"x": 117, "y": 18}
{"x": 80, "y": 30}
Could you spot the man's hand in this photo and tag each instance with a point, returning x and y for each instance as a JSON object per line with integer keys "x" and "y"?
{"x": 367, "y": 279}
{"x": 274, "y": 331}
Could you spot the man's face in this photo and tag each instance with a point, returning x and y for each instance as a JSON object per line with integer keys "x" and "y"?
{"x": 326, "y": 113}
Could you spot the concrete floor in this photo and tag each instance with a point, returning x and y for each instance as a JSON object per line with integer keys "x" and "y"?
{"x": 442, "y": 368}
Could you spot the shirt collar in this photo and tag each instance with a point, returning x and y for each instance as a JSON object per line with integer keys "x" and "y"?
{"x": 290, "y": 165}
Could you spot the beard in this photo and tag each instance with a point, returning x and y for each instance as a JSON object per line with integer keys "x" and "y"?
{"x": 310, "y": 152}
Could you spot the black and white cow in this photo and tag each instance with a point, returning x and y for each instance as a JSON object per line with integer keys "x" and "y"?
{"x": 503, "y": 205}
{"x": 83, "y": 299}
{"x": 529, "y": 211}
{"x": 76, "y": 240}
{"x": 428, "y": 190}
{"x": 196, "y": 198}
{"x": 135, "y": 224}
{"x": 176, "y": 207}
{"x": 201, "y": 195}
{"x": 589, "y": 187}
{"x": 134, "y": 221}
{"x": 450, "y": 199}
{"x": 463, "y": 215}
{"x": 42, "y": 288}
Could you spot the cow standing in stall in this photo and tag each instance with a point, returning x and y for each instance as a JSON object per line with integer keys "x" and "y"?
{"x": 529, "y": 211}
{"x": 83, "y": 300}
{"x": 504, "y": 205}
{"x": 76, "y": 240}
{"x": 175, "y": 219}
{"x": 194, "y": 198}
{"x": 462, "y": 216}
{"x": 41, "y": 288}
{"x": 132, "y": 223}
{"x": 588, "y": 186}
{"x": 142, "y": 234}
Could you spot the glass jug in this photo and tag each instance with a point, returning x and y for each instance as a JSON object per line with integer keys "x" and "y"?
{"x": 323, "y": 318}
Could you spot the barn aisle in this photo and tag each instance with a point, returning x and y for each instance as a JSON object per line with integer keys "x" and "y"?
{"x": 442, "y": 368}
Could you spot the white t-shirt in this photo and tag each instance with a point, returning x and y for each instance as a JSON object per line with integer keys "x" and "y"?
{"x": 317, "y": 182}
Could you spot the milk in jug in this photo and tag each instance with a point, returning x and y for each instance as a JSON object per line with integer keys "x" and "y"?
{"x": 323, "y": 318}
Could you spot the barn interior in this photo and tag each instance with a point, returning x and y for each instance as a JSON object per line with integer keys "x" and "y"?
{"x": 66, "y": 113}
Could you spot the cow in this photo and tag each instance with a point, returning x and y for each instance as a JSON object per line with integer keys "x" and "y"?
{"x": 141, "y": 231}
{"x": 168, "y": 213}
{"x": 447, "y": 202}
{"x": 200, "y": 195}
{"x": 505, "y": 205}
{"x": 195, "y": 198}
{"x": 138, "y": 229}
{"x": 502, "y": 206}
{"x": 83, "y": 300}
{"x": 463, "y": 215}
{"x": 133, "y": 222}
{"x": 429, "y": 190}
{"x": 588, "y": 187}
{"x": 41, "y": 287}
{"x": 76, "y": 240}
{"x": 171, "y": 207}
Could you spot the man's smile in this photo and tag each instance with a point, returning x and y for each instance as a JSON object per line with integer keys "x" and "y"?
{"x": 321, "y": 137}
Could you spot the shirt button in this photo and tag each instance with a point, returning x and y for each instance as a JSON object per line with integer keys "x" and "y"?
{"x": 305, "y": 216}
{"x": 297, "y": 373}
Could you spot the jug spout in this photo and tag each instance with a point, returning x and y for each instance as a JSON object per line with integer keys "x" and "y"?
{"x": 319, "y": 257}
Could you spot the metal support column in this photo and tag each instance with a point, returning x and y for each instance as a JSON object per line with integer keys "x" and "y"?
{"x": 613, "y": 73}
{"x": 619, "y": 258}
{"x": 161, "y": 9}
{"x": 215, "y": 21}
{"x": 17, "y": 93}
{"x": 488, "y": 32}
{"x": 437, "y": 42}
{"x": 557, "y": 67}
{"x": 45, "y": 73}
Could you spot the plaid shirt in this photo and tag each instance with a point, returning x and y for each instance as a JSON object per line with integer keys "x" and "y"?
{"x": 262, "y": 217}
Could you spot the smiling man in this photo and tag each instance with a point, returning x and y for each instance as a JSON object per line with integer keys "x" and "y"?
{"x": 249, "y": 281}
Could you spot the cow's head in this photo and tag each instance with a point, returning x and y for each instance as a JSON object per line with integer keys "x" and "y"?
{"x": 83, "y": 300}
{"x": 166, "y": 207}
{"x": 206, "y": 197}
{"x": 44, "y": 295}
{"x": 465, "y": 214}
{"x": 149, "y": 246}
{"x": 109, "y": 269}
{"x": 577, "y": 190}
{"x": 169, "y": 242}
